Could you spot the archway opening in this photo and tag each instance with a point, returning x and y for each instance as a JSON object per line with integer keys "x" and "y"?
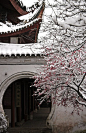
{"x": 18, "y": 102}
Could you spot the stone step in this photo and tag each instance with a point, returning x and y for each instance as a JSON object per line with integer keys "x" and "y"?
{"x": 28, "y": 130}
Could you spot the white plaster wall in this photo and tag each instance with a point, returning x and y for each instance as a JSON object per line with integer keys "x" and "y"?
{"x": 12, "y": 69}
{"x": 62, "y": 121}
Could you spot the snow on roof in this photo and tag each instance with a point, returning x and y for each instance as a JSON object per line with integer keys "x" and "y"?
{"x": 33, "y": 11}
{"x": 13, "y": 28}
{"x": 27, "y": 20}
{"x": 14, "y": 49}
{"x": 30, "y": 15}
{"x": 29, "y": 3}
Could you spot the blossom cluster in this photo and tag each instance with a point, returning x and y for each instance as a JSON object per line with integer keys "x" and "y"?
{"x": 63, "y": 78}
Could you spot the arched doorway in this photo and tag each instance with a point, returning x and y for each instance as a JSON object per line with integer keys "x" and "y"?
{"x": 18, "y": 101}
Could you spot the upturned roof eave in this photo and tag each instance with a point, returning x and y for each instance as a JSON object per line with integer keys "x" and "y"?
{"x": 35, "y": 20}
{"x": 18, "y": 8}
{"x": 21, "y": 30}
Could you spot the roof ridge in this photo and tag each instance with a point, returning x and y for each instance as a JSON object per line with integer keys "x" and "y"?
{"x": 15, "y": 49}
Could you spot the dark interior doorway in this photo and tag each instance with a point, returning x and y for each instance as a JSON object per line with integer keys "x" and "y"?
{"x": 18, "y": 101}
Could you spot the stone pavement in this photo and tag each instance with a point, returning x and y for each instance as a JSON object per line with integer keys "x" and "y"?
{"x": 36, "y": 125}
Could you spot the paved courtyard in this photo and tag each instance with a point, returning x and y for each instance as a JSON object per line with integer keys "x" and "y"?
{"x": 36, "y": 125}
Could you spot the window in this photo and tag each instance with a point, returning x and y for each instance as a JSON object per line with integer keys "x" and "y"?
{"x": 14, "y": 40}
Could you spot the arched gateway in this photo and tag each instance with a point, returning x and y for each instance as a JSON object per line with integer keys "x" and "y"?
{"x": 13, "y": 78}
{"x": 16, "y": 99}
{"x": 16, "y": 76}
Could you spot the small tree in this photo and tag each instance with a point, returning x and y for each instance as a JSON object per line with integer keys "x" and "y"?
{"x": 64, "y": 75}
{"x": 3, "y": 123}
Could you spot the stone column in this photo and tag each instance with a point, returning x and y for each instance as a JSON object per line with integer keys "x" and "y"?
{"x": 18, "y": 101}
{"x": 13, "y": 106}
{"x": 26, "y": 100}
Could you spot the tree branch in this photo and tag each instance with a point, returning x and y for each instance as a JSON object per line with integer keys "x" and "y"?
{"x": 82, "y": 80}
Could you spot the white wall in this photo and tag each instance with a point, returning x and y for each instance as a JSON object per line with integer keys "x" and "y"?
{"x": 63, "y": 121}
{"x": 8, "y": 70}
